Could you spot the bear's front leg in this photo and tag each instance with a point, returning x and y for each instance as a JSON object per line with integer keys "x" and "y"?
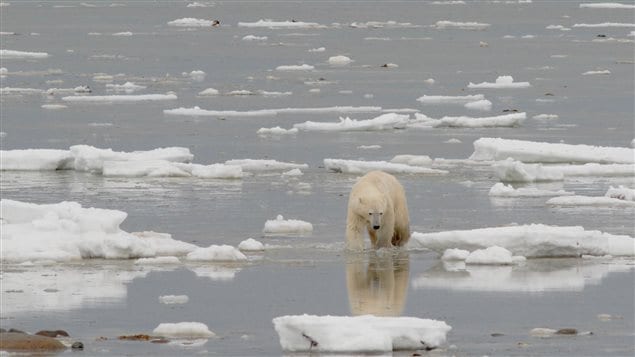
{"x": 354, "y": 237}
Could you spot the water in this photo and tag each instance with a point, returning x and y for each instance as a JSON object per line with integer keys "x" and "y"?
{"x": 309, "y": 274}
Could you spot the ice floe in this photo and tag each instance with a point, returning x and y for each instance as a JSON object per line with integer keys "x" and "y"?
{"x": 317, "y": 49}
{"x": 607, "y": 5}
{"x": 276, "y": 130}
{"x": 119, "y": 98}
{"x": 209, "y": 92}
{"x": 19, "y": 90}
{"x": 621, "y": 192}
{"x": 174, "y": 299}
{"x": 532, "y": 151}
{"x": 302, "y": 67}
{"x": 254, "y": 38}
{"x": 589, "y": 73}
{"x": 505, "y": 120}
{"x": 461, "y": 25}
{"x": 602, "y": 201}
{"x": 502, "y": 190}
{"x": 501, "y": 82}
{"x": 196, "y": 75}
{"x": 605, "y": 24}
{"x": 339, "y": 60}
{"x": 546, "y": 116}
{"x": 251, "y": 244}
{"x": 362, "y": 167}
{"x": 413, "y": 160}
{"x": 222, "y": 253}
{"x": 163, "y": 168}
{"x": 281, "y": 24}
{"x": 128, "y": 87}
{"x": 444, "y": 99}
{"x": 490, "y": 256}
{"x": 264, "y": 165}
{"x": 289, "y": 226}
{"x": 455, "y": 254}
{"x": 196, "y": 111}
{"x": 53, "y": 106}
{"x": 382, "y": 24}
{"x": 515, "y": 171}
{"x": 191, "y": 22}
{"x": 67, "y": 231}
{"x": 531, "y": 241}
{"x": 158, "y": 260}
{"x": 484, "y": 105}
{"x": 383, "y": 122}
{"x": 558, "y": 27}
{"x": 183, "y": 330}
{"x": 359, "y": 334}
{"x": 12, "y": 54}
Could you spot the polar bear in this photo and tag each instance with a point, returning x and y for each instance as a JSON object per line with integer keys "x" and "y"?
{"x": 377, "y": 204}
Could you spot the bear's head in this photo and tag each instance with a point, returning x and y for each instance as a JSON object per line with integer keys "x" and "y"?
{"x": 372, "y": 208}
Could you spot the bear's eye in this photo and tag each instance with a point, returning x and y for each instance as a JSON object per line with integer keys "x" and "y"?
{"x": 381, "y": 213}
{"x": 370, "y": 213}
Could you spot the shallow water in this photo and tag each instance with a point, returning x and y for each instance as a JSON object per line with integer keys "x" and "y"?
{"x": 311, "y": 274}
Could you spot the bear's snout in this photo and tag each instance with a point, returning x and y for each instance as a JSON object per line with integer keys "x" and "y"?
{"x": 375, "y": 227}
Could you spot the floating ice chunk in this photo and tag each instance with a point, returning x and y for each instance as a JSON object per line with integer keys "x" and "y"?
{"x": 455, "y": 254}
{"x": 67, "y": 231}
{"x": 18, "y": 90}
{"x": 318, "y": 49}
{"x": 501, "y": 82}
{"x": 542, "y": 332}
{"x": 254, "y": 38}
{"x": 276, "y": 131}
{"x": 532, "y": 241}
{"x": 163, "y": 168}
{"x": 174, "y": 299}
{"x": 502, "y": 190}
{"x": 483, "y": 104}
{"x": 303, "y": 67}
{"x": 546, "y": 116}
{"x": 54, "y": 106}
{"x": 254, "y": 165}
{"x": 362, "y": 167}
{"x": 274, "y": 94}
{"x": 11, "y": 54}
{"x": 282, "y": 226}
{"x": 453, "y": 141}
{"x": 196, "y": 75}
{"x": 442, "y": 99}
{"x": 191, "y": 22}
{"x": 251, "y": 244}
{"x": 390, "y": 65}
{"x": 158, "y": 260}
{"x": 292, "y": 173}
{"x": 216, "y": 253}
{"x": 281, "y": 24}
{"x": 505, "y": 120}
{"x": 241, "y": 92}
{"x": 621, "y": 192}
{"x": 382, "y": 24}
{"x": 461, "y": 25}
{"x": 448, "y": 2}
{"x": 183, "y": 330}
{"x": 532, "y": 151}
{"x": 339, "y": 60}
{"x": 589, "y": 73}
{"x": 128, "y": 87}
{"x": 413, "y": 160}
{"x": 359, "y": 334}
{"x": 558, "y": 27}
{"x": 89, "y": 158}
{"x": 119, "y": 98}
{"x": 209, "y": 92}
{"x": 605, "y": 24}
{"x": 490, "y": 256}
{"x": 574, "y": 201}
{"x": 383, "y": 122}
{"x": 124, "y": 33}
{"x": 429, "y": 81}
{"x": 36, "y": 159}
{"x": 196, "y": 111}
{"x": 369, "y": 147}
{"x": 607, "y": 5}
{"x": 511, "y": 170}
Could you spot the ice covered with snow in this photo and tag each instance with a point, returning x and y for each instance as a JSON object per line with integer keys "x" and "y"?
{"x": 444, "y": 99}
{"x": 358, "y": 334}
{"x": 531, "y": 241}
{"x": 209, "y": 92}
{"x": 36, "y": 159}
{"x": 281, "y": 24}
{"x": 174, "y": 299}
{"x": 20, "y": 90}
{"x": 222, "y": 253}
{"x": 501, "y": 82}
{"x": 494, "y": 255}
{"x": 67, "y": 231}
{"x": 196, "y": 111}
{"x": 515, "y": 171}
{"x": 383, "y": 122}
{"x": 12, "y": 54}
{"x": 452, "y": 141}
{"x": 251, "y": 244}
{"x": 339, "y": 60}
{"x": 607, "y": 5}
{"x": 191, "y": 22}
{"x": 158, "y": 260}
{"x": 292, "y": 173}
{"x": 90, "y": 158}
{"x": 621, "y": 192}
{"x": 196, "y": 75}
{"x": 413, "y": 160}
{"x": 264, "y": 165}
{"x": 254, "y": 38}
{"x": 382, "y": 24}
{"x": 128, "y": 87}
{"x": 444, "y": 24}
{"x": 532, "y": 151}
{"x": 362, "y": 167}
{"x": 546, "y": 116}
{"x": 53, "y": 106}
{"x": 276, "y": 130}
{"x": 163, "y": 168}
{"x": 183, "y": 330}
{"x": 455, "y": 254}
{"x": 589, "y": 73}
{"x": 502, "y": 190}
{"x": 484, "y": 105}
{"x": 601, "y": 201}
{"x": 119, "y": 98}
{"x": 505, "y": 120}
{"x": 289, "y": 226}
{"x": 302, "y": 67}
{"x": 317, "y": 49}
{"x": 605, "y": 24}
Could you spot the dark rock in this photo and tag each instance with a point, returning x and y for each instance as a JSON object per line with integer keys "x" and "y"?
{"x": 15, "y": 330}
{"x": 139, "y": 337}
{"x": 497, "y": 334}
{"x": 15, "y": 341}
{"x": 567, "y": 331}
{"x": 2, "y": 330}
{"x": 77, "y": 346}
{"x": 52, "y": 333}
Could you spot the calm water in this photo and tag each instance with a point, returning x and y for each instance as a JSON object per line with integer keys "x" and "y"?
{"x": 311, "y": 274}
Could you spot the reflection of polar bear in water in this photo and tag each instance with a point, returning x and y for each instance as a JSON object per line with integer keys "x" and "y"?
{"x": 379, "y": 288}
{"x": 377, "y": 204}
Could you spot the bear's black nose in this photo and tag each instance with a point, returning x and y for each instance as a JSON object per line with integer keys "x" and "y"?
{"x": 375, "y": 227}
